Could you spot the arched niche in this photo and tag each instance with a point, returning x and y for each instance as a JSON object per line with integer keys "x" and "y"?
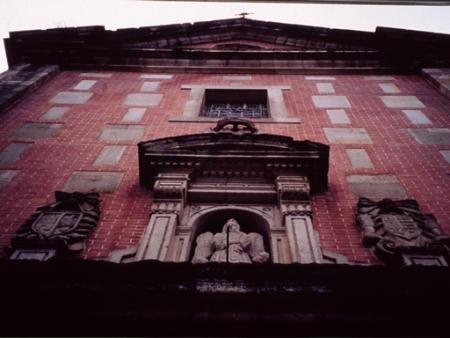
{"x": 213, "y": 220}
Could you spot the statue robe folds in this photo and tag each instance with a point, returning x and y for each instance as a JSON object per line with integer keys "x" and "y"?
{"x": 231, "y": 245}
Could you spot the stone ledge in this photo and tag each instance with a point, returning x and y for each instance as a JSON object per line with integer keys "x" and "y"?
{"x": 439, "y": 78}
{"x": 22, "y": 80}
{"x": 214, "y": 120}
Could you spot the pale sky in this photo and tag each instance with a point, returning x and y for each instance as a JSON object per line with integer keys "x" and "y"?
{"x": 42, "y": 14}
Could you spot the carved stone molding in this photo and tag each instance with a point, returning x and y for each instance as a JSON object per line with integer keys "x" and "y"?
{"x": 57, "y": 228}
{"x": 400, "y": 234}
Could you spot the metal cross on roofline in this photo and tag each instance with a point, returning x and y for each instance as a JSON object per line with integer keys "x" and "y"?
{"x": 243, "y": 14}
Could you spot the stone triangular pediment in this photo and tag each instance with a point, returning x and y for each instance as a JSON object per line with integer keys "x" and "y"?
{"x": 240, "y": 149}
{"x": 267, "y": 35}
{"x": 191, "y": 46}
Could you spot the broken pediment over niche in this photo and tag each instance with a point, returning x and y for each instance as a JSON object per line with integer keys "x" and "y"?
{"x": 235, "y": 148}
{"x": 59, "y": 228}
{"x": 400, "y": 234}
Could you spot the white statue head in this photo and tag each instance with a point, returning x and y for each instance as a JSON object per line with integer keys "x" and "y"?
{"x": 232, "y": 225}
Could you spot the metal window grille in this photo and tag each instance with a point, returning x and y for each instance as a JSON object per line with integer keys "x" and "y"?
{"x": 247, "y": 110}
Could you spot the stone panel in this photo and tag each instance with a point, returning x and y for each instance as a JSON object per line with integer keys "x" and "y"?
{"x": 37, "y": 130}
{"x": 347, "y": 135}
{"x": 110, "y": 155}
{"x": 156, "y": 76}
{"x": 98, "y": 75}
{"x": 143, "y": 100}
{"x": 71, "y": 98}
{"x": 359, "y": 158}
{"x": 431, "y": 135}
{"x": 376, "y": 186}
{"x": 389, "y": 88}
{"x": 13, "y": 151}
{"x": 134, "y": 114}
{"x": 122, "y": 132}
{"x": 338, "y": 116}
{"x": 416, "y": 117}
{"x": 237, "y": 77}
{"x": 324, "y": 88}
{"x": 6, "y": 176}
{"x": 379, "y": 78}
{"x": 330, "y": 101}
{"x": 55, "y": 113}
{"x": 398, "y": 101}
{"x": 93, "y": 181}
{"x": 85, "y": 85}
{"x": 445, "y": 154}
{"x": 149, "y": 86}
{"x": 320, "y": 78}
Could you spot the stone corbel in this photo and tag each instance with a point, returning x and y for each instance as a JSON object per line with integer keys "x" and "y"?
{"x": 293, "y": 196}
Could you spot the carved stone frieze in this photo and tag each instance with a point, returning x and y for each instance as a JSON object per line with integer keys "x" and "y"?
{"x": 296, "y": 209}
{"x": 57, "y": 228}
{"x": 400, "y": 234}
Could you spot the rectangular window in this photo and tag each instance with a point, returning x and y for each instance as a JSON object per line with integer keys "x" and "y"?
{"x": 250, "y": 103}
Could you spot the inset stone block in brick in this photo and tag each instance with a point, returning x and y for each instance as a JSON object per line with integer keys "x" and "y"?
{"x": 134, "y": 114}
{"x": 55, "y": 113}
{"x": 13, "y": 151}
{"x": 110, "y": 155}
{"x": 85, "y": 85}
{"x": 379, "y": 78}
{"x": 402, "y": 102}
{"x": 376, "y": 187}
{"x": 6, "y": 176}
{"x": 320, "y": 78}
{"x": 331, "y": 101}
{"x": 156, "y": 76}
{"x": 347, "y": 135}
{"x": 237, "y": 77}
{"x": 143, "y": 100}
{"x": 149, "y": 86}
{"x": 445, "y": 154}
{"x": 324, "y": 88}
{"x": 121, "y": 132}
{"x": 338, "y": 116}
{"x": 359, "y": 158}
{"x": 431, "y": 135}
{"x": 416, "y": 117}
{"x": 37, "y": 130}
{"x": 71, "y": 98}
{"x": 98, "y": 75}
{"x": 389, "y": 88}
{"x": 95, "y": 181}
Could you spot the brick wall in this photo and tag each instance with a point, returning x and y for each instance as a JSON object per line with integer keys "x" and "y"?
{"x": 40, "y": 149}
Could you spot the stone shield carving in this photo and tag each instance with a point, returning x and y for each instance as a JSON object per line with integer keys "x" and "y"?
{"x": 401, "y": 234}
{"x": 62, "y": 225}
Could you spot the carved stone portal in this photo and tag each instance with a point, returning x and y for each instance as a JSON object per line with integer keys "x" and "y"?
{"x": 230, "y": 246}
{"x": 401, "y": 234}
{"x": 202, "y": 181}
{"x": 57, "y": 228}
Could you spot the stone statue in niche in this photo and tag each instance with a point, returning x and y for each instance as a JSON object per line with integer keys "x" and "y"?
{"x": 230, "y": 246}
{"x": 401, "y": 234}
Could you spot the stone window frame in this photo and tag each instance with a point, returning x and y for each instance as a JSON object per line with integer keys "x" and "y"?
{"x": 276, "y": 105}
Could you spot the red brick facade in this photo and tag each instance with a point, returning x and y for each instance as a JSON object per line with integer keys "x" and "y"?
{"x": 48, "y": 163}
